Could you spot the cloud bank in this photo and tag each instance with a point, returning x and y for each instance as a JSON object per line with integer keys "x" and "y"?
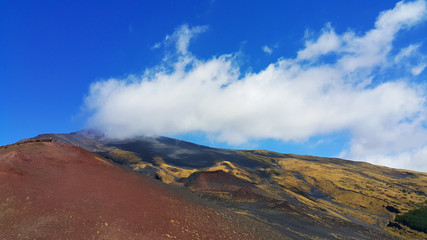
{"x": 337, "y": 82}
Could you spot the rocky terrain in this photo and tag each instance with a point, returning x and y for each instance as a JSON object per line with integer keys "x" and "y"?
{"x": 52, "y": 190}
{"x": 258, "y": 194}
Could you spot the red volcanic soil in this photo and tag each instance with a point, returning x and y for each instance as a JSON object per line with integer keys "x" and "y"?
{"x": 246, "y": 193}
{"x": 220, "y": 181}
{"x": 51, "y": 190}
{"x": 215, "y": 181}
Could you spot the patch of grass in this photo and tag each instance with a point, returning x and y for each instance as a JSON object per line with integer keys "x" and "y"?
{"x": 415, "y": 219}
{"x": 124, "y": 157}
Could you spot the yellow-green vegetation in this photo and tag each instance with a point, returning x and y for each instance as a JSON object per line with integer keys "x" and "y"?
{"x": 231, "y": 168}
{"x": 350, "y": 191}
{"x": 415, "y": 219}
{"x": 244, "y": 213}
{"x": 360, "y": 191}
{"x": 123, "y": 157}
{"x": 141, "y": 166}
{"x": 169, "y": 173}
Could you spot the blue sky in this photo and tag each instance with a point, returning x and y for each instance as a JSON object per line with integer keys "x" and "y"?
{"x": 328, "y": 78}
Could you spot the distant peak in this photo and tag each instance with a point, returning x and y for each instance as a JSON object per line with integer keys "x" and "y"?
{"x": 90, "y": 133}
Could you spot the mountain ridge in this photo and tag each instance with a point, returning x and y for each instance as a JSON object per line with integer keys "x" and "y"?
{"x": 52, "y": 190}
{"x": 338, "y": 198}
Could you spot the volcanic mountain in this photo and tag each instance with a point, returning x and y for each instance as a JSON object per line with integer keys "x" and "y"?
{"x": 256, "y": 194}
{"x": 52, "y": 190}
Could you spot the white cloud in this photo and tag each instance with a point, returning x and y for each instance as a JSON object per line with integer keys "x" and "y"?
{"x": 181, "y": 38}
{"x": 411, "y": 59}
{"x": 157, "y": 45}
{"x": 290, "y": 100}
{"x": 418, "y": 69}
{"x": 406, "y": 52}
{"x": 326, "y": 43}
{"x": 183, "y": 35}
{"x": 404, "y": 14}
{"x": 370, "y": 49}
{"x": 267, "y": 50}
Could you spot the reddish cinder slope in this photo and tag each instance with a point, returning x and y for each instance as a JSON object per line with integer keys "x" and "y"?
{"x": 215, "y": 180}
{"x": 51, "y": 190}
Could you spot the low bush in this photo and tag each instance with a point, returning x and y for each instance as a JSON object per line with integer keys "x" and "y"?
{"x": 415, "y": 219}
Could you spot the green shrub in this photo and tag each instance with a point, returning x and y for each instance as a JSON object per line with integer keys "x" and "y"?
{"x": 415, "y": 219}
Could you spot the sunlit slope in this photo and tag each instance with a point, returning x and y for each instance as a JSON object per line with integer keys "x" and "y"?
{"x": 355, "y": 192}
{"x": 52, "y": 190}
{"x": 336, "y": 198}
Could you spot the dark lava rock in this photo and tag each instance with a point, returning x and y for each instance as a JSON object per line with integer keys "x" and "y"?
{"x": 394, "y": 225}
{"x": 392, "y": 209}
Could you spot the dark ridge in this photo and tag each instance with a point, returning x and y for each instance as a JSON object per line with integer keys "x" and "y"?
{"x": 90, "y": 133}
{"x": 181, "y": 153}
{"x": 28, "y": 141}
{"x": 266, "y": 153}
{"x": 35, "y": 140}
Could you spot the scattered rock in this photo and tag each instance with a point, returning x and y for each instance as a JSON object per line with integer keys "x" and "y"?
{"x": 392, "y": 209}
{"x": 394, "y": 225}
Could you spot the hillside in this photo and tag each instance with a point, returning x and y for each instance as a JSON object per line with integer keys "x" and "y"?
{"x": 300, "y": 196}
{"x": 52, "y": 190}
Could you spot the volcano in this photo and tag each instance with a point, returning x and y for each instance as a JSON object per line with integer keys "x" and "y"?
{"x": 85, "y": 185}
{"x": 53, "y": 190}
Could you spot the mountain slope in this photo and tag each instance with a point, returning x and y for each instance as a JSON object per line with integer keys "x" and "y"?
{"x": 52, "y": 190}
{"x": 300, "y": 196}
